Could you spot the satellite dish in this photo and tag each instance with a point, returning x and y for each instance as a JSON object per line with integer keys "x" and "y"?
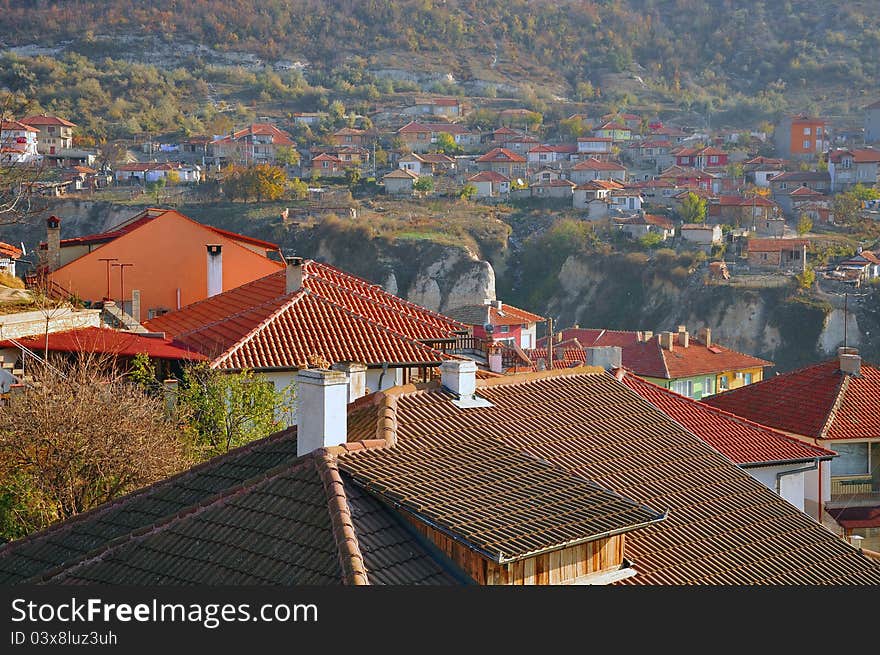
{"x": 519, "y": 181}
{"x": 489, "y": 328}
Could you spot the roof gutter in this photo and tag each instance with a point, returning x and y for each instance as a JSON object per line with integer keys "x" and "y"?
{"x": 783, "y": 462}
{"x": 782, "y": 474}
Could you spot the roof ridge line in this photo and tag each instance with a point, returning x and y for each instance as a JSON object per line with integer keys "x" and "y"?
{"x": 210, "y": 502}
{"x": 351, "y": 560}
{"x": 71, "y": 523}
{"x": 832, "y": 412}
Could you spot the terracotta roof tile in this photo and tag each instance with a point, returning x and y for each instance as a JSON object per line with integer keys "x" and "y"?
{"x": 743, "y": 441}
{"x": 817, "y": 401}
{"x": 501, "y": 156}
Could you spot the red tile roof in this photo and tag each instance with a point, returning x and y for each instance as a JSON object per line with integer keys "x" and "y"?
{"x": 507, "y": 315}
{"x": 775, "y": 245}
{"x": 279, "y": 137}
{"x": 9, "y": 251}
{"x": 593, "y": 164}
{"x": 16, "y": 126}
{"x": 336, "y": 315}
{"x": 488, "y": 176}
{"x": 817, "y": 401}
{"x": 501, "y": 156}
{"x": 744, "y": 442}
{"x": 108, "y": 342}
{"x": 43, "y": 119}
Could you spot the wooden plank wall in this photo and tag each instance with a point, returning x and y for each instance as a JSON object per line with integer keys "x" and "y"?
{"x": 556, "y": 567}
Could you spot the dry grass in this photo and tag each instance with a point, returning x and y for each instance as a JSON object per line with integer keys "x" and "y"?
{"x": 7, "y": 280}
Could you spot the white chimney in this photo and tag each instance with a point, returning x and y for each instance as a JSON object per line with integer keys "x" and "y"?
{"x": 683, "y": 336}
{"x": 706, "y": 336}
{"x": 608, "y": 357}
{"x": 460, "y": 377}
{"x": 648, "y": 335}
{"x": 215, "y": 269}
{"x": 850, "y": 361}
{"x": 496, "y": 360}
{"x": 667, "y": 340}
{"x": 357, "y": 378}
{"x": 322, "y": 402}
{"x": 294, "y": 279}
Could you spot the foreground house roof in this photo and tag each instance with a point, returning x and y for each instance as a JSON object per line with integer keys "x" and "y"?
{"x": 818, "y": 401}
{"x": 104, "y": 341}
{"x": 556, "y": 457}
{"x": 506, "y": 315}
{"x": 333, "y": 316}
{"x": 744, "y": 442}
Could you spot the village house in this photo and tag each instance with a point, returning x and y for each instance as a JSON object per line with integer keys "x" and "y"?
{"x": 18, "y": 143}
{"x": 146, "y": 172}
{"x": 668, "y": 133}
{"x": 613, "y": 131}
{"x": 499, "y": 323}
{"x": 830, "y": 405}
{"x": 54, "y": 133}
{"x": 872, "y": 123}
{"x": 700, "y": 234}
{"x": 130, "y": 263}
{"x": 311, "y": 312}
{"x": 490, "y": 184}
{"x": 400, "y": 182}
{"x": 690, "y": 178}
{"x": 595, "y": 197}
{"x": 653, "y": 153}
{"x": 632, "y": 121}
{"x": 778, "y": 461}
{"x": 850, "y": 166}
{"x": 447, "y": 107}
{"x": 801, "y": 137}
{"x": 643, "y": 224}
{"x": 695, "y": 367}
{"x": 256, "y": 144}
{"x": 558, "y": 189}
{"x": 740, "y": 211}
{"x": 503, "y": 161}
{"x": 594, "y": 169}
{"x": 759, "y": 170}
{"x": 327, "y": 165}
{"x": 421, "y": 137}
{"x": 546, "y": 174}
{"x": 8, "y": 256}
{"x": 596, "y": 147}
{"x": 785, "y": 183}
{"x": 429, "y": 163}
{"x": 349, "y": 136}
{"x": 310, "y": 118}
{"x": 625, "y": 200}
{"x": 699, "y": 158}
{"x": 866, "y": 264}
{"x": 777, "y": 254}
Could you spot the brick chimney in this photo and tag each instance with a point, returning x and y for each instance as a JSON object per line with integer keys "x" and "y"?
{"x": 683, "y": 337}
{"x": 322, "y": 401}
{"x": 850, "y": 361}
{"x": 705, "y": 336}
{"x": 53, "y": 243}
{"x": 667, "y": 339}
{"x": 496, "y": 359}
{"x": 215, "y": 269}
{"x": 294, "y": 275}
{"x": 357, "y": 378}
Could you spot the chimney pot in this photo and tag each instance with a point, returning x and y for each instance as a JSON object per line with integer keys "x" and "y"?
{"x": 294, "y": 274}
{"x": 459, "y": 376}
{"x": 706, "y": 336}
{"x": 851, "y": 364}
{"x": 496, "y": 359}
{"x": 322, "y": 401}
{"x": 683, "y": 338}
{"x": 648, "y": 335}
{"x": 666, "y": 341}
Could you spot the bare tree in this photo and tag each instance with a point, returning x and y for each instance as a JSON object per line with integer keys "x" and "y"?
{"x": 81, "y": 435}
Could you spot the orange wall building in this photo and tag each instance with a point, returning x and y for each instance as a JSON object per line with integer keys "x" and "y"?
{"x": 175, "y": 261}
{"x": 802, "y": 137}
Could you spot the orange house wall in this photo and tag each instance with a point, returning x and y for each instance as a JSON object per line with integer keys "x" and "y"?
{"x": 797, "y": 136}
{"x": 168, "y": 253}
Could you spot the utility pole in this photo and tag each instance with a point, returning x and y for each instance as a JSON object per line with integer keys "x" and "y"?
{"x": 122, "y": 268}
{"x": 108, "y": 260}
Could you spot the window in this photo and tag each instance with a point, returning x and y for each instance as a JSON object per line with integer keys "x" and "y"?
{"x": 713, "y": 159}
{"x": 707, "y": 387}
{"x": 852, "y": 459}
{"x": 818, "y": 131}
{"x": 806, "y": 145}
{"x": 747, "y": 378}
{"x": 684, "y": 387}
{"x": 806, "y": 131}
{"x": 504, "y": 328}
{"x": 722, "y": 383}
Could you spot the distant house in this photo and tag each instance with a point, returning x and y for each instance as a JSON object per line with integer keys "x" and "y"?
{"x": 594, "y": 197}
{"x": 594, "y": 169}
{"x": 503, "y": 161}
{"x": 643, "y": 224}
{"x": 146, "y": 172}
{"x": 613, "y": 131}
{"x": 801, "y": 137}
{"x": 499, "y": 322}
{"x": 655, "y": 153}
{"x": 309, "y": 117}
{"x": 400, "y": 182}
{"x": 632, "y": 121}
{"x": 448, "y": 107}
{"x": 256, "y": 144}
{"x": 702, "y": 235}
{"x": 561, "y": 189}
{"x": 421, "y": 137}
{"x": 689, "y": 177}
{"x": 699, "y": 158}
{"x": 348, "y": 136}
{"x": 850, "y": 166}
{"x": 54, "y": 133}
{"x": 8, "y": 255}
{"x": 598, "y": 147}
{"x": 775, "y": 254}
{"x": 18, "y": 143}
{"x": 759, "y": 170}
{"x": 625, "y": 200}
{"x": 546, "y": 174}
{"x": 739, "y": 210}
{"x": 490, "y": 184}
{"x": 668, "y": 133}
{"x": 327, "y": 165}
{"x": 783, "y": 185}
{"x": 866, "y": 263}
{"x": 872, "y": 123}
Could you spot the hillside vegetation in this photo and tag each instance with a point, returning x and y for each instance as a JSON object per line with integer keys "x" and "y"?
{"x": 728, "y": 60}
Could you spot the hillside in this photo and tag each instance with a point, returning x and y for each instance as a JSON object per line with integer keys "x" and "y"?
{"x": 722, "y": 61}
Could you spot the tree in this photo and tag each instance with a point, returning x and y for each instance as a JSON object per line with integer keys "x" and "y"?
{"x": 263, "y": 182}
{"x": 425, "y": 184}
{"x": 227, "y": 410}
{"x": 804, "y": 225}
{"x": 468, "y": 191}
{"x": 846, "y": 208}
{"x": 352, "y": 177}
{"x": 806, "y": 279}
{"x": 447, "y": 145}
{"x": 862, "y": 192}
{"x": 693, "y": 209}
{"x": 298, "y": 189}
{"x": 81, "y": 437}
{"x": 156, "y": 187}
{"x": 287, "y": 156}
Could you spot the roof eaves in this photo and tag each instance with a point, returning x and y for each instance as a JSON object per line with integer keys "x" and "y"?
{"x": 835, "y": 406}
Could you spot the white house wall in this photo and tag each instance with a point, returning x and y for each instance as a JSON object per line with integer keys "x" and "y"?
{"x": 791, "y": 487}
